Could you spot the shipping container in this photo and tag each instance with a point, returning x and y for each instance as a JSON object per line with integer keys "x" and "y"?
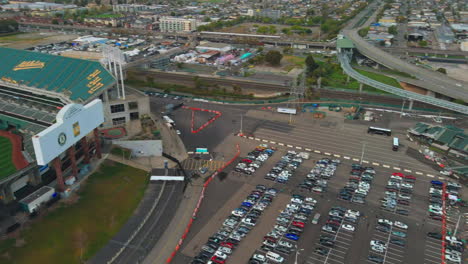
{"x": 32, "y": 202}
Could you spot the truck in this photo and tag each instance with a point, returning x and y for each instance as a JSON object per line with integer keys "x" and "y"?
{"x": 32, "y": 202}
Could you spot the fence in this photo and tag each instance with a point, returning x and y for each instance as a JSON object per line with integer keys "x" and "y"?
{"x": 200, "y": 200}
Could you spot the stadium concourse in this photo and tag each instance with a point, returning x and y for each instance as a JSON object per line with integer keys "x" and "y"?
{"x": 34, "y": 87}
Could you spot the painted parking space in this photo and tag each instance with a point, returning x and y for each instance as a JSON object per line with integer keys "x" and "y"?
{"x": 392, "y": 253}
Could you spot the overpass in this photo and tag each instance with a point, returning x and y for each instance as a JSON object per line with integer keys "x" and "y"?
{"x": 345, "y": 57}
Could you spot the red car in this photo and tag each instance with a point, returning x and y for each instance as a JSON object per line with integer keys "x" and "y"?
{"x": 399, "y": 174}
{"x": 269, "y": 238}
{"x": 227, "y": 244}
{"x": 217, "y": 260}
{"x": 246, "y": 161}
{"x": 298, "y": 224}
{"x": 410, "y": 177}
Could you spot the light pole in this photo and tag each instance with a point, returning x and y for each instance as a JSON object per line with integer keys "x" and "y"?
{"x": 242, "y": 118}
{"x": 363, "y": 150}
{"x": 297, "y": 253}
{"x": 402, "y": 107}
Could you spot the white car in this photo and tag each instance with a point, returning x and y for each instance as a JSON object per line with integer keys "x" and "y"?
{"x": 259, "y": 257}
{"x": 377, "y": 243}
{"x": 311, "y": 200}
{"x": 453, "y": 258}
{"x": 238, "y": 213}
{"x": 269, "y": 243}
{"x": 348, "y": 227}
{"x": 293, "y": 207}
{"x": 285, "y": 244}
{"x": 225, "y": 250}
{"x": 220, "y": 255}
{"x": 385, "y": 222}
{"x": 281, "y": 228}
{"x": 353, "y": 212}
{"x": 297, "y": 200}
{"x": 379, "y": 249}
{"x": 400, "y": 225}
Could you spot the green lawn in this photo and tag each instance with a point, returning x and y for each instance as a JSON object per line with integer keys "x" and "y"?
{"x": 106, "y": 201}
{"x": 6, "y": 163}
{"x": 381, "y": 78}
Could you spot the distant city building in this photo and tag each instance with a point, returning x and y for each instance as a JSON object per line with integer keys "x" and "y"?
{"x": 270, "y": 13}
{"x": 206, "y": 46}
{"x": 127, "y": 8}
{"x": 175, "y": 24}
{"x": 37, "y": 6}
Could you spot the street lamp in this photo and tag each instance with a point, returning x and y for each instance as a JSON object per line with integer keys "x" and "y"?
{"x": 297, "y": 253}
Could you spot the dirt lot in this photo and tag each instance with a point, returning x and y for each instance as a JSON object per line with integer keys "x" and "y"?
{"x": 27, "y": 40}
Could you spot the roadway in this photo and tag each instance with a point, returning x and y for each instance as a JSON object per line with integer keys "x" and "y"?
{"x": 434, "y": 81}
{"x": 344, "y": 60}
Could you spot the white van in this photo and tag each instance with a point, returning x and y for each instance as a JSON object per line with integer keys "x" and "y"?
{"x": 274, "y": 257}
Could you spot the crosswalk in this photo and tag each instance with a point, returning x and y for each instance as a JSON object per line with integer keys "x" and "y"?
{"x": 194, "y": 164}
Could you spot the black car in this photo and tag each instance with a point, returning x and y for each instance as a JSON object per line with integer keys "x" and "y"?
{"x": 327, "y": 243}
{"x": 435, "y": 235}
{"x": 322, "y": 250}
{"x": 376, "y": 259}
{"x": 382, "y": 228}
{"x": 198, "y": 261}
{"x": 398, "y": 242}
{"x": 402, "y": 211}
{"x": 284, "y": 250}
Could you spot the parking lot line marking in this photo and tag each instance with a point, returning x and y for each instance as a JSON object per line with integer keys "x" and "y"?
{"x": 407, "y": 170}
{"x": 432, "y": 256}
{"x": 432, "y": 261}
{"x": 264, "y": 140}
{"x": 297, "y": 147}
{"x": 396, "y": 168}
{"x": 336, "y": 155}
{"x": 346, "y": 157}
{"x": 272, "y": 142}
{"x": 355, "y": 159}
{"x": 251, "y": 137}
{"x": 430, "y": 175}
{"x": 392, "y": 248}
{"x": 419, "y": 173}
{"x": 317, "y": 151}
{"x": 289, "y": 146}
{"x": 441, "y": 178}
{"x": 375, "y": 164}
{"x": 326, "y": 153}
{"x": 281, "y": 144}
{"x": 386, "y": 166}
{"x": 365, "y": 161}
{"x": 257, "y": 139}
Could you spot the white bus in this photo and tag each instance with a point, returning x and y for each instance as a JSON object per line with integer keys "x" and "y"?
{"x": 396, "y": 144}
{"x": 380, "y": 131}
{"x": 285, "y": 110}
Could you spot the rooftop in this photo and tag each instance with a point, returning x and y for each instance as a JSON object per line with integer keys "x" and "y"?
{"x": 80, "y": 80}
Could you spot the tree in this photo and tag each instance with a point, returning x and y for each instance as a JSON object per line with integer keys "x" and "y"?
{"x": 392, "y": 30}
{"x": 310, "y": 64}
{"x": 442, "y": 70}
{"x": 8, "y": 25}
{"x": 363, "y": 32}
{"x": 55, "y": 21}
{"x": 273, "y": 57}
{"x": 287, "y": 50}
{"x": 423, "y": 43}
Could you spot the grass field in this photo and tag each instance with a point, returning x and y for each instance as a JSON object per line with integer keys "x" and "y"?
{"x": 6, "y": 163}
{"x": 381, "y": 78}
{"x": 74, "y": 233}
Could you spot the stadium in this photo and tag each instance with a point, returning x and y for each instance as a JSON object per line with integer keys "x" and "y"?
{"x": 36, "y": 90}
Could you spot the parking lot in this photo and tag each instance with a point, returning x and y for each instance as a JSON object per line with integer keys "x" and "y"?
{"x": 347, "y": 249}
{"x": 352, "y": 247}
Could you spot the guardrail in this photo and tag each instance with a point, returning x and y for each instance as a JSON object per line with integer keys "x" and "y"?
{"x": 345, "y": 64}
